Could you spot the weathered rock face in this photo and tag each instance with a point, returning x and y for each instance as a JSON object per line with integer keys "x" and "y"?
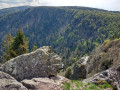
{"x": 40, "y": 63}
{"x": 45, "y": 83}
{"x": 110, "y": 75}
{"x": 79, "y": 69}
{"x": 7, "y": 82}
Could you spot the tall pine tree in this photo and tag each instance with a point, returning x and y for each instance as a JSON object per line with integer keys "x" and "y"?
{"x": 20, "y": 44}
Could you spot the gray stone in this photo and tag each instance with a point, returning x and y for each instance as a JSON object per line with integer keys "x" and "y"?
{"x": 110, "y": 75}
{"x": 40, "y": 63}
{"x": 30, "y": 84}
{"x": 55, "y": 83}
{"x": 79, "y": 69}
{"x": 7, "y": 82}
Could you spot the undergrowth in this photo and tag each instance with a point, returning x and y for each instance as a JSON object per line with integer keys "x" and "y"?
{"x": 78, "y": 85}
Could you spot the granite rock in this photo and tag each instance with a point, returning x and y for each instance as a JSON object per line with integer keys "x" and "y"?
{"x": 7, "y": 82}
{"x": 40, "y": 63}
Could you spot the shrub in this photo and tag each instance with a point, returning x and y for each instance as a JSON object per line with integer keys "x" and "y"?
{"x": 68, "y": 73}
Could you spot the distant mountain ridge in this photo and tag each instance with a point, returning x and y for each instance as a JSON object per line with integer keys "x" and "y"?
{"x": 12, "y": 10}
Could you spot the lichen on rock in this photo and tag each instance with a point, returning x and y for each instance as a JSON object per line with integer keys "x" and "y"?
{"x": 40, "y": 63}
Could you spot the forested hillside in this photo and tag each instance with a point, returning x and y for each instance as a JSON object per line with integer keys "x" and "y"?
{"x": 71, "y": 31}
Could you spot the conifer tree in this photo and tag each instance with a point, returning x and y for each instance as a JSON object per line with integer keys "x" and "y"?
{"x": 14, "y": 46}
{"x": 6, "y": 46}
{"x": 34, "y": 47}
{"x": 20, "y": 44}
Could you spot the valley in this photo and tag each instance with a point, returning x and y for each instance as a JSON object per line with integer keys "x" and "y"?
{"x": 86, "y": 42}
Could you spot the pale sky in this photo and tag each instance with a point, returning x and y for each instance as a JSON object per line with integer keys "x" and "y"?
{"x": 113, "y": 5}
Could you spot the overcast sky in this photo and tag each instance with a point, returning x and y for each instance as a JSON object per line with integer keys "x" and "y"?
{"x": 113, "y": 5}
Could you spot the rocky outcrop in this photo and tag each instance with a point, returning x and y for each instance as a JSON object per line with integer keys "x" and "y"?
{"x": 40, "y": 63}
{"x": 79, "y": 69}
{"x": 104, "y": 57}
{"x": 7, "y": 82}
{"x": 110, "y": 75}
{"x": 105, "y": 61}
{"x": 54, "y": 83}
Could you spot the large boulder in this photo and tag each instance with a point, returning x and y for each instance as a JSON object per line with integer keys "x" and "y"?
{"x": 40, "y": 63}
{"x": 111, "y": 76}
{"x": 7, "y": 82}
{"x": 79, "y": 69}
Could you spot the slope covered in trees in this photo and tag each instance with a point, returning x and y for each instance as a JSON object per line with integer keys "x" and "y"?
{"x": 71, "y": 31}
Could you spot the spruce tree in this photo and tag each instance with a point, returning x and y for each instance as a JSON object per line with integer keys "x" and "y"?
{"x": 20, "y": 44}
{"x": 34, "y": 47}
{"x": 14, "y": 46}
{"x": 6, "y": 47}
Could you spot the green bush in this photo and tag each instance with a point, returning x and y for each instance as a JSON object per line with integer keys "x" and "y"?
{"x": 104, "y": 84}
{"x": 68, "y": 73}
